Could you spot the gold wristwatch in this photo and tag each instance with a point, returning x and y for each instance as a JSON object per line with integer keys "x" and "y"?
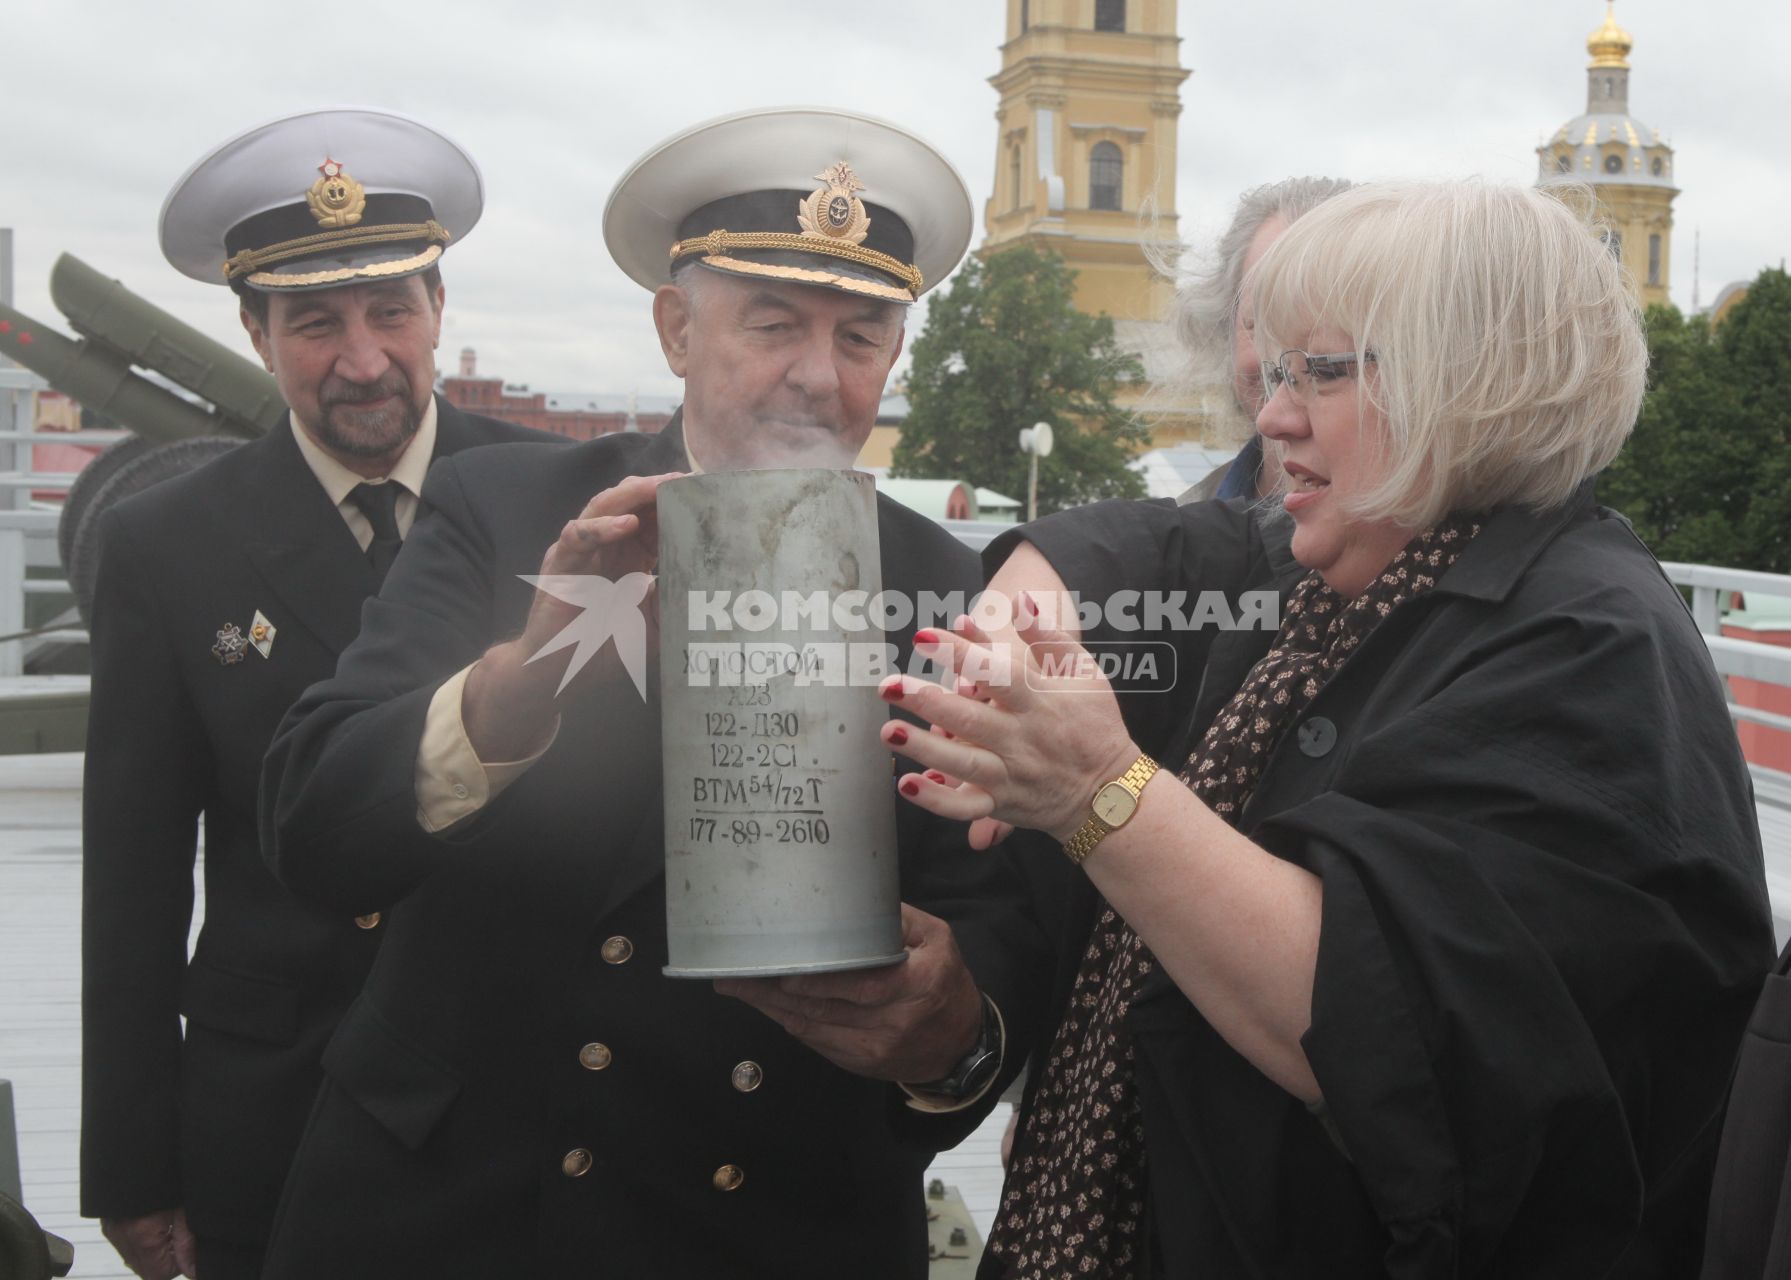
{"x": 1112, "y": 807}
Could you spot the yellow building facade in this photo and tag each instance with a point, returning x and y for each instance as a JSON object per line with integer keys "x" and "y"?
{"x": 1085, "y": 166}
{"x": 1627, "y": 165}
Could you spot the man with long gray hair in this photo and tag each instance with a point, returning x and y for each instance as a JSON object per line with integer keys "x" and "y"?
{"x": 1212, "y": 316}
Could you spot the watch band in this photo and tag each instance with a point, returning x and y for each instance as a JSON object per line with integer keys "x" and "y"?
{"x": 973, "y": 1070}
{"x": 1097, "y": 829}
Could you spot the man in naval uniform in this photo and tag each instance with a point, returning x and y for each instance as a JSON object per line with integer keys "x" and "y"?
{"x": 221, "y": 596}
{"x": 519, "y": 1089}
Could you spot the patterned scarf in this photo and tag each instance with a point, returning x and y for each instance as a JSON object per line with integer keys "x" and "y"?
{"x": 1073, "y": 1203}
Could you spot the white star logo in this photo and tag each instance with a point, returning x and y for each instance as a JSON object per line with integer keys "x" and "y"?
{"x": 611, "y": 613}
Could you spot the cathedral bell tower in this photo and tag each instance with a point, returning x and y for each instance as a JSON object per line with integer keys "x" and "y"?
{"x": 1627, "y": 166}
{"x": 1085, "y": 141}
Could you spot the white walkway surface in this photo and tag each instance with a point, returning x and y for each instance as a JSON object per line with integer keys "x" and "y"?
{"x": 40, "y": 1003}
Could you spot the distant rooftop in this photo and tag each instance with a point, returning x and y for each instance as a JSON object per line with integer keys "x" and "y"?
{"x": 1168, "y": 472}
{"x": 610, "y": 402}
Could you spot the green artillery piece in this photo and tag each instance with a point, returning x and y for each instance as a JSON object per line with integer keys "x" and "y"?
{"x": 27, "y": 1251}
{"x": 235, "y": 400}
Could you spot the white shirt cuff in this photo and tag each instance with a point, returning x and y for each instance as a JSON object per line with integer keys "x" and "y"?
{"x": 452, "y": 783}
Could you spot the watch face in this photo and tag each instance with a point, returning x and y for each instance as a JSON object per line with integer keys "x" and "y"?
{"x": 980, "y": 1072}
{"x": 1113, "y": 804}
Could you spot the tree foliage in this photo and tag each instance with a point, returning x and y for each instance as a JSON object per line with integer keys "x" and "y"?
{"x": 1707, "y": 475}
{"x": 1004, "y": 347}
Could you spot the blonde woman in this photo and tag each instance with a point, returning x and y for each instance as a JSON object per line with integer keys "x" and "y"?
{"x": 1427, "y": 949}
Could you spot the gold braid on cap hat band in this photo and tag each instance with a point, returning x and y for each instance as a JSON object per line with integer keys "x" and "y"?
{"x": 250, "y": 260}
{"x": 716, "y": 242}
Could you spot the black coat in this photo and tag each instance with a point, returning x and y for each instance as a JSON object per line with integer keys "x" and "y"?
{"x": 209, "y": 1123}
{"x": 456, "y": 1085}
{"x": 1545, "y": 917}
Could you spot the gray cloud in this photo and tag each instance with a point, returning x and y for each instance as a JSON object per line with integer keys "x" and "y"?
{"x": 110, "y": 101}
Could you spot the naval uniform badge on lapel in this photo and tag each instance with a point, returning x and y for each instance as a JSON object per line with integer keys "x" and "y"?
{"x": 261, "y": 635}
{"x": 231, "y": 647}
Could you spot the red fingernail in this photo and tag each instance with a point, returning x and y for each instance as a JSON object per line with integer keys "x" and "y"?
{"x": 933, "y": 775}
{"x": 898, "y": 735}
{"x": 910, "y": 787}
{"x": 1031, "y": 610}
{"x": 891, "y": 690}
{"x": 926, "y": 636}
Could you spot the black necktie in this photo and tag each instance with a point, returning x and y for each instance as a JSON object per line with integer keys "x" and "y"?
{"x": 379, "y": 503}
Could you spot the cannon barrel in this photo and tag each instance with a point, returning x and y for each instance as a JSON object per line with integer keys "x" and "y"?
{"x": 103, "y": 311}
{"x": 102, "y": 380}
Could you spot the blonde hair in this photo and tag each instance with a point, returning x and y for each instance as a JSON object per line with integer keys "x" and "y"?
{"x": 1509, "y": 354}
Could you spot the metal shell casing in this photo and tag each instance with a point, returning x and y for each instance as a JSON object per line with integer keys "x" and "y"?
{"x": 780, "y": 832}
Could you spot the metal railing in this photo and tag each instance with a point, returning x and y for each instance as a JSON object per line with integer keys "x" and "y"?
{"x": 27, "y": 527}
{"x": 1711, "y": 586}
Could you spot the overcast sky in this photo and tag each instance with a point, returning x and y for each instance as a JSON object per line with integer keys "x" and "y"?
{"x": 108, "y": 101}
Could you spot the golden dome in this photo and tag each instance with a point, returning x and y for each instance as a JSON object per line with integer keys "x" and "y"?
{"x": 1610, "y": 44}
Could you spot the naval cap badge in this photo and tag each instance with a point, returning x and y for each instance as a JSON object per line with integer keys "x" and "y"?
{"x": 834, "y": 210}
{"x": 231, "y": 647}
{"x": 336, "y": 199}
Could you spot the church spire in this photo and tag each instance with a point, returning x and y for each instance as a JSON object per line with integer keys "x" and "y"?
{"x": 1607, "y": 76}
{"x": 1610, "y": 44}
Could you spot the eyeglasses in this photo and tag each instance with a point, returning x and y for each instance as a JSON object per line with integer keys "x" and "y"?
{"x": 1305, "y": 375}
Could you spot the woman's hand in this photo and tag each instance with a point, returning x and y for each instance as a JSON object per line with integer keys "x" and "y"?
{"x": 1029, "y": 735}
{"x": 985, "y": 833}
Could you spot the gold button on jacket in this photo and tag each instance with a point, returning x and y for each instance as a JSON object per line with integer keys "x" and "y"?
{"x": 748, "y": 1076}
{"x": 729, "y": 1177}
{"x": 595, "y": 1056}
{"x": 616, "y": 950}
{"x": 576, "y": 1163}
{"x": 368, "y": 921}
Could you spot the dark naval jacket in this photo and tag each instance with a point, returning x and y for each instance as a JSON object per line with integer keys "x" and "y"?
{"x": 180, "y": 718}
{"x": 520, "y": 1091}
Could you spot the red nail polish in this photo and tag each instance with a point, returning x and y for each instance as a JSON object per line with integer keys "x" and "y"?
{"x": 892, "y": 692}
{"x": 898, "y": 735}
{"x": 910, "y": 787}
{"x": 933, "y": 775}
{"x": 926, "y": 636}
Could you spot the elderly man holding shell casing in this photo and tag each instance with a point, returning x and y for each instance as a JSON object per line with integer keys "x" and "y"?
{"x": 520, "y": 1090}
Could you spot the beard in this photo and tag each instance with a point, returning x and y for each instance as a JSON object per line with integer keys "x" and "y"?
{"x": 351, "y": 427}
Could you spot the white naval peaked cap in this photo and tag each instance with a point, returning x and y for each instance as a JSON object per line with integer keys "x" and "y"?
{"x": 322, "y": 198}
{"x": 808, "y": 194}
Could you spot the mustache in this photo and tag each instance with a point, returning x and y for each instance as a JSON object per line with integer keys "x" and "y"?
{"x": 336, "y": 391}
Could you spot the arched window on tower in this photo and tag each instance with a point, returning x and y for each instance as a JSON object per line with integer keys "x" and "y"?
{"x": 1613, "y": 163}
{"x": 1563, "y": 164}
{"x": 1110, "y": 15}
{"x": 1106, "y": 172}
{"x": 1013, "y": 173}
{"x": 1654, "y": 259}
{"x": 1024, "y": 16}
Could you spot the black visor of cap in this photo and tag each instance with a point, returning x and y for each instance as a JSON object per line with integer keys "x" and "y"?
{"x": 776, "y": 211}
